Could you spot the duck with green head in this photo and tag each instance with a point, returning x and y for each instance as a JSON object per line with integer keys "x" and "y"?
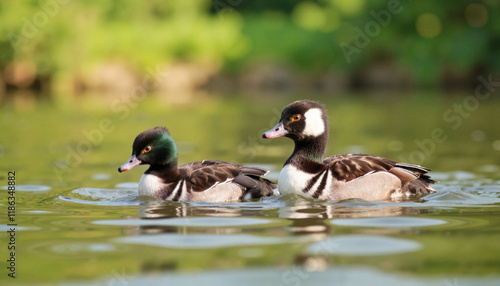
{"x": 208, "y": 180}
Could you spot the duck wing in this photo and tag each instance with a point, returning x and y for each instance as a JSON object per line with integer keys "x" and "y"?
{"x": 347, "y": 167}
{"x": 206, "y": 174}
{"x": 224, "y": 179}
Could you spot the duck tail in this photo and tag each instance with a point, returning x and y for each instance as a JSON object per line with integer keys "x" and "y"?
{"x": 263, "y": 188}
{"x": 420, "y": 186}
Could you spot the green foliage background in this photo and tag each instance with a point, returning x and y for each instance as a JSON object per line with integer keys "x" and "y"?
{"x": 63, "y": 37}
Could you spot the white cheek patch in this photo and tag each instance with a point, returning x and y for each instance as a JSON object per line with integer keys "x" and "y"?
{"x": 315, "y": 126}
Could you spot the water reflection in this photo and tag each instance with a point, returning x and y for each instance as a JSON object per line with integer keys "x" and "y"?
{"x": 167, "y": 209}
{"x": 200, "y": 241}
{"x": 362, "y": 245}
{"x": 299, "y": 208}
{"x": 315, "y": 235}
{"x": 198, "y": 225}
{"x": 304, "y": 218}
{"x": 207, "y": 225}
{"x": 72, "y": 250}
{"x": 388, "y": 222}
{"x": 30, "y": 188}
{"x": 188, "y": 221}
{"x": 345, "y": 275}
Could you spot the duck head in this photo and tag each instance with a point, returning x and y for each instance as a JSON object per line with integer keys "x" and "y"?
{"x": 301, "y": 120}
{"x": 306, "y": 123}
{"x": 153, "y": 147}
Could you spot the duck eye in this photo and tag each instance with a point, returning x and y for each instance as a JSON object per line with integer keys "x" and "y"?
{"x": 147, "y": 149}
{"x": 296, "y": 117}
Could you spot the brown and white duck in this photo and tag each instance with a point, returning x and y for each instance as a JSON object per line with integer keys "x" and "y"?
{"x": 338, "y": 177}
{"x": 208, "y": 180}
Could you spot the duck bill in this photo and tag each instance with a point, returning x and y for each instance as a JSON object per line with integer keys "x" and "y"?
{"x": 131, "y": 163}
{"x": 278, "y": 131}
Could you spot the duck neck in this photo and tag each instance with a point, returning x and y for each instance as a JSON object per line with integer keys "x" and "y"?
{"x": 310, "y": 148}
{"x": 164, "y": 170}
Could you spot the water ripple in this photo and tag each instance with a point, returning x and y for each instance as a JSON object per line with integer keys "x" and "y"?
{"x": 345, "y": 275}
{"x": 108, "y": 197}
{"x": 451, "y": 197}
{"x": 30, "y": 188}
{"x": 388, "y": 222}
{"x": 197, "y": 241}
{"x": 73, "y": 250}
{"x": 188, "y": 221}
{"x": 362, "y": 245}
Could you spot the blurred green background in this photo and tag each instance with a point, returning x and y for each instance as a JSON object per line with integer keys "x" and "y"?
{"x": 71, "y": 47}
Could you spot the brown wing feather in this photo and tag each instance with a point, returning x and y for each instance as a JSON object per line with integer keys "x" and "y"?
{"x": 347, "y": 167}
{"x": 254, "y": 171}
{"x": 204, "y": 174}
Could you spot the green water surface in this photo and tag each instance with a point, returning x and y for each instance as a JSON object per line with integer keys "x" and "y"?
{"x": 79, "y": 221}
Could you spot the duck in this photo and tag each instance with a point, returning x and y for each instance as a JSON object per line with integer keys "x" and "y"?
{"x": 339, "y": 177}
{"x": 207, "y": 180}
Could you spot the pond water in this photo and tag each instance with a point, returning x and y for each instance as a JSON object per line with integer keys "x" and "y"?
{"x": 80, "y": 222}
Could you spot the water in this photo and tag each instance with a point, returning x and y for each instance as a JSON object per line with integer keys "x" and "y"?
{"x": 80, "y": 222}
